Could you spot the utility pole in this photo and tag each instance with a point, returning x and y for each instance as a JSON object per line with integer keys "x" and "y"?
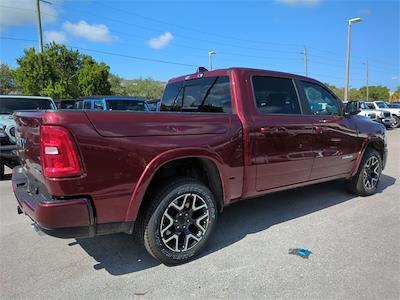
{"x": 305, "y": 60}
{"x": 366, "y": 77}
{"x": 39, "y": 19}
{"x": 210, "y": 54}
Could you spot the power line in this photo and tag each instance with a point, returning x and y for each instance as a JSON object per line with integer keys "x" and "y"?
{"x": 202, "y": 40}
{"x": 110, "y": 53}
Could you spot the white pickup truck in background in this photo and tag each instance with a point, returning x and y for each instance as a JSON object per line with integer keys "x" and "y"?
{"x": 394, "y": 112}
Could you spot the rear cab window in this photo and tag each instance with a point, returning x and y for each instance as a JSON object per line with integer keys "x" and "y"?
{"x": 9, "y": 105}
{"x": 275, "y": 95}
{"x": 208, "y": 95}
{"x": 126, "y": 105}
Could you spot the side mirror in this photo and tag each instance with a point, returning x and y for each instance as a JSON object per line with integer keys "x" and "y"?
{"x": 351, "y": 108}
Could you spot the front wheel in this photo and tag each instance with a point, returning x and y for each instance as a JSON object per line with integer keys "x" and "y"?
{"x": 396, "y": 123}
{"x": 179, "y": 221}
{"x": 365, "y": 182}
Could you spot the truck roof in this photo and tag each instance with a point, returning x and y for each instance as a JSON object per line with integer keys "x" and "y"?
{"x": 113, "y": 98}
{"x": 225, "y": 72}
{"x": 25, "y": 97}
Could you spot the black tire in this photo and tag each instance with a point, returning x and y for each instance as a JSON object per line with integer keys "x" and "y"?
{"x": 397, "y": 124}
{"x": 1, "y": 168}
{"x": 358, "y": 184}
{"x": 161, "y": 220}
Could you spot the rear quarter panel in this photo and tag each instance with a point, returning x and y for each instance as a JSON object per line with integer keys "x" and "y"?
{"x": 121, "y": 151}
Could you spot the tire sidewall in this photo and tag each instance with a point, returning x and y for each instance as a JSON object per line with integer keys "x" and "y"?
{"x": 154, "y": 236}
{"x": 361, "y": 187}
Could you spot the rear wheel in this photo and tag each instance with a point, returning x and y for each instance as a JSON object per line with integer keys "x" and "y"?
{"x": 179, "y": 220}
{"x": 365, "y": 182}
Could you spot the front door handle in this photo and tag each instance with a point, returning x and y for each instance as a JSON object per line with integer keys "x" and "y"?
{"x": 268, "y": 129}
{"x": 323, "y": 121}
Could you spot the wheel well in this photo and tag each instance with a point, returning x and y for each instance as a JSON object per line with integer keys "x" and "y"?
{"x": 378, "y": 146}
{"x": 201, "y": 169}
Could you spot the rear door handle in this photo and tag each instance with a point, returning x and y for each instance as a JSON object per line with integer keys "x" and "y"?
{"x": 323, "y": 120}
{"x": 318, "y": 129}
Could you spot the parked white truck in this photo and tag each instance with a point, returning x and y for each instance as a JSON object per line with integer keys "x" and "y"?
{"x": 393, "y": 113}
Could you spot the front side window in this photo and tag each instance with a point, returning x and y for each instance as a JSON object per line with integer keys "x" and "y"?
{"x": 210, "y": 94}
{"x": 320, "y": 101}
{"x": 275, "y": 95}
{"x": 98, "y": 105}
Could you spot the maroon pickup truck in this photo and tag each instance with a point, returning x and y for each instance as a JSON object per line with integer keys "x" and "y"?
{"x": 221, "y": 136}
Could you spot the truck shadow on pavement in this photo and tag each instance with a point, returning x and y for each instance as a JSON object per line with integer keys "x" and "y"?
{"x": 120, "y": 254}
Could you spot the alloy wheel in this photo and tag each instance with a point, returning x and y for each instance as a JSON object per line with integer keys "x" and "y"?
{"x": 371, "y": 173}
{"x": 184, "y": 222}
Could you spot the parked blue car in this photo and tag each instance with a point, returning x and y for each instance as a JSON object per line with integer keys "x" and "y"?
{"x": 114, "y": 103}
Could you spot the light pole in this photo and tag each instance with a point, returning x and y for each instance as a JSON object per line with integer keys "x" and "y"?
{"x": 346, "y": 85}
{"x": 305, "y": 60}
{"x": 366, "y": 78}
{"x": 210, "y": 54}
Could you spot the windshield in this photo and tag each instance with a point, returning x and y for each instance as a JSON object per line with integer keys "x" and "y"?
{"x": 9, "y": 105}
{"x": 363, "y": 105}
{"x": 381, "y": 104}
{"x": 131, "y": 105}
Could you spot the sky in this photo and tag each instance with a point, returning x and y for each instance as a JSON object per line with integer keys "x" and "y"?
{"x": 166, "y": 39}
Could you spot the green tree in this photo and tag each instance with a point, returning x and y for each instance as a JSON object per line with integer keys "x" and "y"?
{"x": 396, "y": 95}
{"x": 117, "y": 87}
{"x": 355, "y": 94}
{"x": 7, "y": 82}
{"x": 376, "y": 93}
{"x": 147, "y": 88}
{"x": 93, "y": 77}
{"x": 338, "y": 91}
{"x": 60, "y": 73}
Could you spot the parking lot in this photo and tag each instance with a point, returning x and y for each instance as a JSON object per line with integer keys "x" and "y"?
{"x": 354, "y": 242}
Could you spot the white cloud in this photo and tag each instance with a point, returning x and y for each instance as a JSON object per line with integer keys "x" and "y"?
{"x": 300, "y": 2}
{"x": 93, "y": 33}
{"x": 161, "y": 41}
{"x": 23, "y": 12}
{"x": 55, "y": 36}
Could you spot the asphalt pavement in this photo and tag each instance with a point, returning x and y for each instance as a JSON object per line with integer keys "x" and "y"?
{"x": 355, "y": 244}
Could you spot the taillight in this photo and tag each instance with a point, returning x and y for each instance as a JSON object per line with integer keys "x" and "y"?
{"x": 59, "y": 155}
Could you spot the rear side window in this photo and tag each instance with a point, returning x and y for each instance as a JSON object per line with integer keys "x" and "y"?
{"x": 86, "y": 105}
{"x": 275, "y": 95}
{"x": 210, "y": 94}
{"x": 320, "y": 101}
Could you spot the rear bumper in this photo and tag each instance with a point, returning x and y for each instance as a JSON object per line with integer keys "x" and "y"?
{"x": 63, "y": 218}
{"x": 8, "y": 151}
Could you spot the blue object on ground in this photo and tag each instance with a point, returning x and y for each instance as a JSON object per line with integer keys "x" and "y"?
{"x": 304, "y": 253}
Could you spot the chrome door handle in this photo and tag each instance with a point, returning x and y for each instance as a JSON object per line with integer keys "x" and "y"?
{"x": 323, "y": 121}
